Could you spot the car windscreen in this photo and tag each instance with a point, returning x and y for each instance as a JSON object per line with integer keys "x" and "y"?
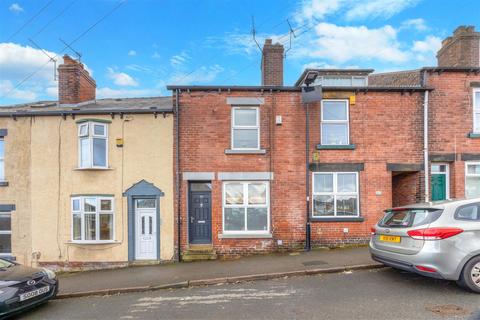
{"x": 406, "y": 218}
{"x": 5, "y": 263}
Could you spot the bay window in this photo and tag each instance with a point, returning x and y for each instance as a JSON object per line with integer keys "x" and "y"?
{"x": 245, "y": 128}
{"x": 335, "y": 122}
{"x": 92, "y": 219}
{"x": 472, "y": 180}
{"x": 335, "y": 194}
{"x": 93, "y": 145}
{"x": 246, "y": 207}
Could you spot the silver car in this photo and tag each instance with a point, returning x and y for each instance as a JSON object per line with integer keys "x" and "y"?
{"x": 436, "y": 239}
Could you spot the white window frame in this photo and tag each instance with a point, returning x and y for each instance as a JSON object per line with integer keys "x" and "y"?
{"x": 97, "y": 213}
{"x": 322, "y": 121}
{"x": 234, "y": 127}
{"x": 90, "y": 135}
{"x": 470, "y": 175}
{"x": 245, "y": 205}
{"x": 335, "y": 193}
{"x": 321, "y": 80}
{"x": 476, "y": 110}
{"x": 9, "y": 232}
{"x": 446, "y": 173}
{"x": 2, "y": 159}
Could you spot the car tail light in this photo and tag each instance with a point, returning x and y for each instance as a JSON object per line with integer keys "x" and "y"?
{"x": 434, "y": 233}
{"x": 373, "y": 230}
{"x": 426, "y": 269}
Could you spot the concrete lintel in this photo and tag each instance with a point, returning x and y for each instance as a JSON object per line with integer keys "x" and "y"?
{"x": 245, "y": 101}
{"x": 198, "y": 176}
{"x": 470, "y": 156}
{"x": 405, "y": 167}
{"x": 336, "y": 167}
{"x": 446, "y": 157}
{"x": 7, "y": 207}
{"x": 245, "y": 176}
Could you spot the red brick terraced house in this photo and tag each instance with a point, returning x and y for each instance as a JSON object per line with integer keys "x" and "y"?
{"x": 259, "y": 170}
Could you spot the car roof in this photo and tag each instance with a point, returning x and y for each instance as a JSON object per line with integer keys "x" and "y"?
{"x": 441, "y": 204}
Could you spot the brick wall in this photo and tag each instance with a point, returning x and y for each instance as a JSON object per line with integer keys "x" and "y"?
{"x": 407, "y": 189}
{"x": 460, "y": 50}
{"x": 386, "y": 127}
{"x": 74, "y": 83}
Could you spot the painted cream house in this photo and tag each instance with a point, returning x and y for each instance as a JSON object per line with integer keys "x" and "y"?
{"x": 87, "y": 183}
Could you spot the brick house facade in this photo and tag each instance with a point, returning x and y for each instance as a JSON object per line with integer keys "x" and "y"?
{"x": 247, "y": 184}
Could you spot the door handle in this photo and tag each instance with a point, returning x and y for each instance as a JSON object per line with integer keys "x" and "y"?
{"x": 191, "y": 219}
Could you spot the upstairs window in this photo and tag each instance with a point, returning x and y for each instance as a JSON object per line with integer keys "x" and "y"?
{"x": 341, "y": 81}
{"x": 476, "y": 110}
{"x": 92, "y": 219}
{"x": 245, "y": 128}
{"x": 334, "y": 126}
{"x": 93, "y": 145}
{"x": 2, "y": 159}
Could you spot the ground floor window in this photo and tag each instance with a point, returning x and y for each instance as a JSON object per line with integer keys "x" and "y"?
{"x": 5, "y": 233}
{"x": 335, "y": 194}
{"x": 92, "y": 219}
{"x": 246, "y": 207}
{"x": 472, "y": 180}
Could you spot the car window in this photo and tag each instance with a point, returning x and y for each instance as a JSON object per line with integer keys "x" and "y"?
{"x": 468, "y": 212}
{"x": 407, "y": 218}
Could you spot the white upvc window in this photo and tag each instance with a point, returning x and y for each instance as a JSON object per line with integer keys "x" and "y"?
{"x": 2, "y": 159}
{"x": 472, "y": 179}
{"x": 245, "y": 128}
{"x": 92, "y": 145}
{"x": 335, "y": 194}
{"x": 93, "y": 219}
{"x": 335, "y": 129}
{"x": 246, "y": 207}
{"x": 5, "y": 233}
{"x": 476, "y": 110}
{"x": 342, "y": 81}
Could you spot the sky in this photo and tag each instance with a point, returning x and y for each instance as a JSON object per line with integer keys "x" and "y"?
{"x": 134, "y": 48}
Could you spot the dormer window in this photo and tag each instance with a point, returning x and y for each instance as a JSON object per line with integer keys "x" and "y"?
{"x": 92, "y": 145}
{"x": 341, "y": 81}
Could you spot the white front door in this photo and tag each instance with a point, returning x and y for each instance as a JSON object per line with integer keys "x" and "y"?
{"x": 145, "y": 229}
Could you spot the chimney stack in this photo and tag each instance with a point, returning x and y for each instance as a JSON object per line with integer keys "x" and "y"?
{"x": 460, "y": 50}
{"x": 74, "y": 83}
{"x": 272, "y": 64}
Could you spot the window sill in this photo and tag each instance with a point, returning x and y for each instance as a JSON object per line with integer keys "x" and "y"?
{"x": 472, "y": 135}
{"x": 337, "y": 219}
{"x": 92, "y": 169}
{"x": 233, "y": 151}
{"x": 3, "y": 183}
{"x": 93, "y": 242}
{"x": 336, "y": 147}
{"x": 245, "y": 236}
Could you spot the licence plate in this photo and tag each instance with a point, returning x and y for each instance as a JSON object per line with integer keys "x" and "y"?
{"x": 389, "y": 238}
{"x": 34, "y": 293}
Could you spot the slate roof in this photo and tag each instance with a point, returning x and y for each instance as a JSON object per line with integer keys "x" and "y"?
{"x": 100, "y": 106}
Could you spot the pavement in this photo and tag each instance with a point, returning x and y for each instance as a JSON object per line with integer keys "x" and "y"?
{"x": 183, "y": 275}
{"x": 365, "y": 294}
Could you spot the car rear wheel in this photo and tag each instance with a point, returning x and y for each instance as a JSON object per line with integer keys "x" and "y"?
{"x": 470, "y": 278}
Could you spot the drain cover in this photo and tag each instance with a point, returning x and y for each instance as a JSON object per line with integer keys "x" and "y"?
{"x": 313, "y": 263}
{"x": 447, "y": 310}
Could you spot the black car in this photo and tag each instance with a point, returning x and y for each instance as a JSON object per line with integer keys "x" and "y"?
{"x": 23, "y": 287}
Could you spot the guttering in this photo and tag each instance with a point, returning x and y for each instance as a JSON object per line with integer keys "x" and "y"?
{"x": 177, "y": 175}
{"x": 365, "y": 89}
{"x": 51, "y": 113}
{"x": 425, "y": 139}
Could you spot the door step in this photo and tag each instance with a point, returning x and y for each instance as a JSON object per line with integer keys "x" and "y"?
{"x": 198, "y": 253}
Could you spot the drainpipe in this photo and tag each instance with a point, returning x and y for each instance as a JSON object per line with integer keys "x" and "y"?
{"x": 425, "y": 139}
{"x": 177, "y": 175}
{"x": 308, "y": 244}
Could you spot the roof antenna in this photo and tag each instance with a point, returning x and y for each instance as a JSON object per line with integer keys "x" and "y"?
{"x": 49, "y": 56}
{"x": 254, "y": 32}
{"x": 79, "y": 55}
{"x": 291, "y": 32}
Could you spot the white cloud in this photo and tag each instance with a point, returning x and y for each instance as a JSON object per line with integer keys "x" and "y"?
{"x": 107, "y": 92}
{"x": 318, "y": 8}
{"x": 15, "y": 7}
{"x": 378, "y": 8}
{"x": 342, "y": 44}
{"x": 18, "y": 62}
{"x": 156, "y": 55}
{"x": 425, "y": 50}
{"x": 179, "y": 59}
{"x": 132, "y": 53}
{"x": 417, "y": 24}
{"x": 121, "y": 78}
{"x": 203, "y": 74}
